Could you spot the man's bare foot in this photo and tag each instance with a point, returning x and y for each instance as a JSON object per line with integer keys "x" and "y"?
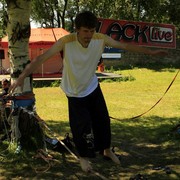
{"x": 111, "y": 155}
{"x": 85, "y": 165}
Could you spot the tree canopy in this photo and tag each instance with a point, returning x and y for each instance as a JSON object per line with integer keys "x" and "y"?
{"x": 61, "y": 13}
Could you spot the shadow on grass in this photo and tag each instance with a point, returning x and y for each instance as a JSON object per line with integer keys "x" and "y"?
{"x": 142, "y": 143}
{"x": 149, "y": 142}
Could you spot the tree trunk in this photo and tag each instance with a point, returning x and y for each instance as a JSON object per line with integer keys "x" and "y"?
{"x": 18, "y": 31}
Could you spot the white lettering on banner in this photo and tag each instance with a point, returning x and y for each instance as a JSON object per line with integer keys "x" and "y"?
{"x": 161, "y": 34}
{"x": 139, "y": 33}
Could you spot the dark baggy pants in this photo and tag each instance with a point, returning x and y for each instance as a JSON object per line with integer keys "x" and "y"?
{"x": 90, "y": 123}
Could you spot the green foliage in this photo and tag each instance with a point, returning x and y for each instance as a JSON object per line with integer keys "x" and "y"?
{"x": 119, "y": 79}
{"x": 159, "y": 11}
{"x": 54, "y": 13}
{"x": 51, "y": 83}
{"x": 2, "y": 18}
{"x": 49, "y": 13}
{"x": 55, "y": 83}
{"x": 173, "y": 9}
{"x": 2, "y": 33}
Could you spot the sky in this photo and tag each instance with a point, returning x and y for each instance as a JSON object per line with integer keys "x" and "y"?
{"x": 34, "y": 24}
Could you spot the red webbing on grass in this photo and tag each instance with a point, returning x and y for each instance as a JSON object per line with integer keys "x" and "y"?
{"x": 156, "y": 102}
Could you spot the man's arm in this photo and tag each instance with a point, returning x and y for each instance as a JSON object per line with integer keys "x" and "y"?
{"x": 35, "y": 63}
{"x": 133, "y": 48}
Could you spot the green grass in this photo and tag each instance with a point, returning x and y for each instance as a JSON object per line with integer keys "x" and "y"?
{"x": 143, "y": 143}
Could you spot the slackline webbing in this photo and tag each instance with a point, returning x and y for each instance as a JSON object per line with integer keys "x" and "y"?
{"x": 156, "y": 102}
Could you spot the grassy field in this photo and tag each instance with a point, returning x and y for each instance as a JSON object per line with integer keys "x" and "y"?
{"x": 143, "y": 144}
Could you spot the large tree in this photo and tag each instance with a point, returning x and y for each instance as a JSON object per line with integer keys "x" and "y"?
{"x": 18, "y": 31}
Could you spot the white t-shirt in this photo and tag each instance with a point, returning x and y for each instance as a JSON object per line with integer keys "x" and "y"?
{"x": 80, "y": 64}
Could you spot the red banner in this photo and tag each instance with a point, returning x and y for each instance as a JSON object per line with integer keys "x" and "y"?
{"x": 140, "y": 33}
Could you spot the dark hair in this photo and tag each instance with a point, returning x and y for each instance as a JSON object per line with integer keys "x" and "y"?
{"x": 86, "y": 19}
{"x": 5, "y": 80}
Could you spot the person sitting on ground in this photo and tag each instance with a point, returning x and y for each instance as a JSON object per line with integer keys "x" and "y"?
{"x": 3, "y": 122}
{"x": 5, "y": 83}
{"x": 5, "y": 87}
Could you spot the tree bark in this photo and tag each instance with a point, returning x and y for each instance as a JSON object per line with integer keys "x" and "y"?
{"x": 18, "y": 31}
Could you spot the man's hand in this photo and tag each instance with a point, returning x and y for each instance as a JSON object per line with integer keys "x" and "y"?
{"x": 17, "y": 83}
